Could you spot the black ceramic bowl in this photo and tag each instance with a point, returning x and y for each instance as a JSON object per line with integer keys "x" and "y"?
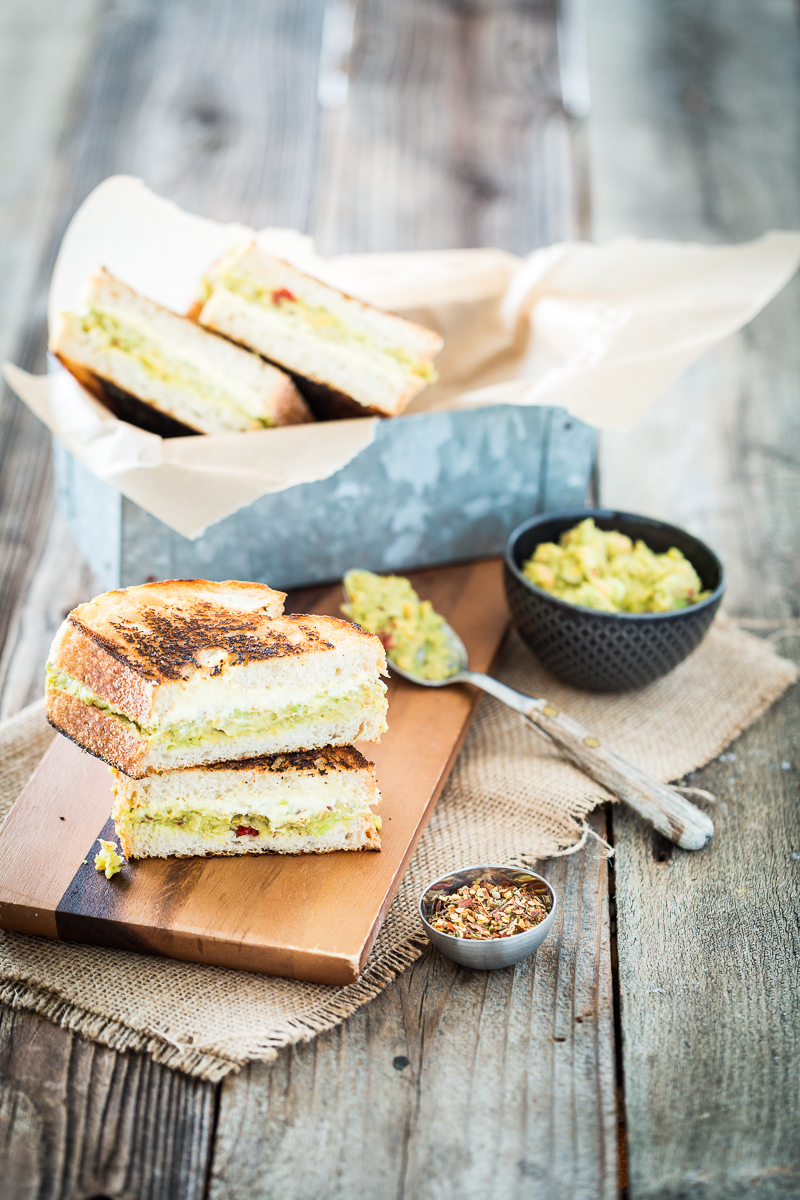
{"x": 608, "y": 652}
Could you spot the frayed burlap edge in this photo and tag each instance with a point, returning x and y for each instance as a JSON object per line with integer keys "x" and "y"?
{"x": 202, "y": 1064}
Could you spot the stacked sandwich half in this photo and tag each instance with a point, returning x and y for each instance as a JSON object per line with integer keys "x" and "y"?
{"x": 228, "y": 723}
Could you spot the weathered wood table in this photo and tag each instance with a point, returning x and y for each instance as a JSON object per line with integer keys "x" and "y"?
{"x": 658, "y": 1053}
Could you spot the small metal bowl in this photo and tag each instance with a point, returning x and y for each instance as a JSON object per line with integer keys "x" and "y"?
{"x": 601, "y": 651}
{"x": 497, "y": 952}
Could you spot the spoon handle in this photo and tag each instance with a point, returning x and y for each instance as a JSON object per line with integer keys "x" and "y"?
{"x": 658, "y": 803}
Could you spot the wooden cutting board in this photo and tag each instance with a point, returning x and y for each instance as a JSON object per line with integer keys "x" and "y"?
{"x": 313, "y": 917}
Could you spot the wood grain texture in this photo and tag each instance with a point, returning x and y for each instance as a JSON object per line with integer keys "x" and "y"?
{"x": 451, "y": 1083}
{"x": 453, "y": 133}
{"x": 312, "y": 917}
{"x": 696, "y": 135}
{"x": 77, "y": 1120}
{"x": 60, "y": 581}
{"x": 41, "y": 54}
{"x": 709, "y": 982}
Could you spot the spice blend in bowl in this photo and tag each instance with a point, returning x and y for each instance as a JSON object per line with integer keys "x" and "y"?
{"x": 500, "y": 915}
{"x": 484, "y": 910}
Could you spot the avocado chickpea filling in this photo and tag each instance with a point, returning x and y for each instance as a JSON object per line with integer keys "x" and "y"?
{"x": 234, "y": 723}
{"x": 324, "y": 323}
{"x": 109, "y": 332}
{"x": 213, "y": 824}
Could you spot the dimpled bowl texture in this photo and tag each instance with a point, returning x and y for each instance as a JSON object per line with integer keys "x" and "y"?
{"x": 608, "y": 652}
{"x": 497, "y": 952}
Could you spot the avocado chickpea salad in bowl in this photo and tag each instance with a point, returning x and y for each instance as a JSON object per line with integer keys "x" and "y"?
{"x": 610, "y": 601}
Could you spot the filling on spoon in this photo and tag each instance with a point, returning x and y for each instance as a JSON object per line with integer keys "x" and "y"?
{"x": 415, "y": 637}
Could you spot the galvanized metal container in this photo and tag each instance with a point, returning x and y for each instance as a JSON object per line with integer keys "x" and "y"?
{"x": 432, "y": 488}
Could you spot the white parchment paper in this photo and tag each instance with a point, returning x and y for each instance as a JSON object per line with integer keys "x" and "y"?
{"x": 599, "y": 330}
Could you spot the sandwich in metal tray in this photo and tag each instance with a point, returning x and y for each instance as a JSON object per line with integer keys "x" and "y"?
{"x": 348, "y": 358}
{"x": 164, "y": 372}
{"x": 309, "y": 801}
{"x": 188, "y": 672}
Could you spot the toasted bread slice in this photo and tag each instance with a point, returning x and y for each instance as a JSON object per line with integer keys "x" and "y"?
{"x": 348, "y": 358}
{"x": 162, "y": 679}
{"x": 308, "y": 802}
{"x": 165, "y": 373}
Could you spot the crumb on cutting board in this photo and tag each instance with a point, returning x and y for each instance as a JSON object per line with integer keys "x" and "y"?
{"x": 107, "y": 859}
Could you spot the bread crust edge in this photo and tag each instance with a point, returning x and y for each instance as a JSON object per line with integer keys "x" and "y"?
{"x": 115, "y": 742}
{"x": 87, "y": 657}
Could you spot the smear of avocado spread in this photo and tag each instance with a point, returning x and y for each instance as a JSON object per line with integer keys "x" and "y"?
{"x": 238, "y": 722}
{"x": 608, "y": 572}
{"x": 321, "y": 321}
{"x": 110, "y": 333}
{"x": 415, "y": 636}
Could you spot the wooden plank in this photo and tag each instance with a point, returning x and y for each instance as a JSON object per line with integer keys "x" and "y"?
{"x": 453, "y": 133}
{"x": 40, "y": 55}
{"x": 61, "y": 581}
{"x": 709, "y": 945}
{"x": 305, "y": 917}
{"x": 708, "y": 957}
{"x": 77, "y": 1120}
{"x": 450, "y": 1083}
{"x": 40, "y": 59}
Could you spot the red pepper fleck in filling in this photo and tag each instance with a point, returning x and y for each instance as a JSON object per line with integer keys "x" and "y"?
{"x": 282, "y": 294}
{"x": 246, "y": 829}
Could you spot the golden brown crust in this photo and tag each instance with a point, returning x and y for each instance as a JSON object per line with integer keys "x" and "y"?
{"x": 123, "y": 660}
{"x": 123, "y": 643}
{"x": 289, "y": 406}
{"x": 124, "y": 651}
{"x": 84, "y": 656}
{"x": 116, "y": 742}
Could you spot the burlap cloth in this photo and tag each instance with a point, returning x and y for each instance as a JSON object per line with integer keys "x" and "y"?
{"x": 510, "y": 799}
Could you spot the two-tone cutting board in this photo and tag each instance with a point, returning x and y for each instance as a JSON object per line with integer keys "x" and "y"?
{"x": 313, "y": 917}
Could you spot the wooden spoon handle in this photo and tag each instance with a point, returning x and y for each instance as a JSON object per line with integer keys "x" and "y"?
{"x": 657, "y": 802}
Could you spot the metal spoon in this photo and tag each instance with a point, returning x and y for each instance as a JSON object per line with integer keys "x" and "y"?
{"x": 661, "y": 805}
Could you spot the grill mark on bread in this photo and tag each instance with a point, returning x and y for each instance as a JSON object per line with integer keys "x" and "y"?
{"x": 336, "y": 758}
{"x": 105, "y": 645}
{"x": 166, "y": 641}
